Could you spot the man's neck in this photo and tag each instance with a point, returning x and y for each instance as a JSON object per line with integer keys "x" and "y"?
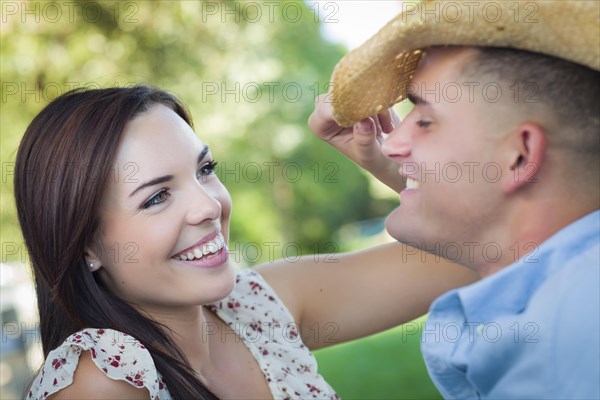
{"x": 526, "y": 228}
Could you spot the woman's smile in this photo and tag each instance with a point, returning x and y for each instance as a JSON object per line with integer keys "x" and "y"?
{"x": 209, "y": 252}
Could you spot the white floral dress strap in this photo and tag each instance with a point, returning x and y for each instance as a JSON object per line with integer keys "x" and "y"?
{"x": 118, "y": 355}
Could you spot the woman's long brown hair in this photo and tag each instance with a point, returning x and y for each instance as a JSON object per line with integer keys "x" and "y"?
{"x": 62, "y": 166}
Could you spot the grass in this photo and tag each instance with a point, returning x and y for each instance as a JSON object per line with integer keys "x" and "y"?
{"x": 383, "y": 366}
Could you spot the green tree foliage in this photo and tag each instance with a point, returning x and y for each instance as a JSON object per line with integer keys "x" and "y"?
{"x": 249, "y": 72}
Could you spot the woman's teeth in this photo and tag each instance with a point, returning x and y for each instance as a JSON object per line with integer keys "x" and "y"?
{"x": 210, "y": 247}
{"x": 412, "y": 184}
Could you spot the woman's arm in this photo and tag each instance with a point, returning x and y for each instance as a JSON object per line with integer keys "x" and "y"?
{"x": 347, "y": 296}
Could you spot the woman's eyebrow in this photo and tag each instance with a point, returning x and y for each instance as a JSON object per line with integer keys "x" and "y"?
{"x": 203, "y": 153}
{"x": 152, "y": 182}
{"x": 166, "y": 178}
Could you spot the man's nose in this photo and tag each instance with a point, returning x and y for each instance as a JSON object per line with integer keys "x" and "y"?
{"x": 398, "y": 143}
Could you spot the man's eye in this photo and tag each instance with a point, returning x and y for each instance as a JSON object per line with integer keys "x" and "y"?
{"x": 157, "y": 199}
{"x": 423, "y": 123}
{"x": 207, "y": 169}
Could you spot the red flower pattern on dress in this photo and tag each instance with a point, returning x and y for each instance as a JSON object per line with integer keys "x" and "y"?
{"x": 269, "y": 331}
{"x": 120, "y": 353}
{"x": 233, "y": 304}
{"x": 255, "y": 286}
{"x": 137, "y": 379}
{"x": 252, "y": 310}
{"x": 58, "y": 362}
{"x": 313, "y": 388}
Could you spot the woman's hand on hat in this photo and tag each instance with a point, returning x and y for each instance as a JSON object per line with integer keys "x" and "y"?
{"x": 362, "y": 142}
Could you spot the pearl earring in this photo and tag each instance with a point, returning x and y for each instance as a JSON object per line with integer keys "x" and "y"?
{"x": 92, "y": 265}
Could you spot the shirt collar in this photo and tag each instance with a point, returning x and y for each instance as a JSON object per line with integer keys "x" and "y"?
{"x": 510, "y": 289}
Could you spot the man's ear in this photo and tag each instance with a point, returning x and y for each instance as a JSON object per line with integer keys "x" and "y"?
{"x": 93, "y": 259}
{"x": 526, "y": 152}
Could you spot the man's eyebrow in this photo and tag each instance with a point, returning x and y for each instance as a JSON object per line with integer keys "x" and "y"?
{"x": 416, "y": 99}
{"x": 166, "y": 178}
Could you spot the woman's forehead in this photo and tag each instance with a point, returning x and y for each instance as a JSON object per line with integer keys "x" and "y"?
{"x": 158, "y": 131}
{"x": 155, "y": 143}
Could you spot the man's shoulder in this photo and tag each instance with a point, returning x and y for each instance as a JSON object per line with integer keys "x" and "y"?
{"x": 559, "y": 334}
{"x": 575, "y": 292}
{"x": 567, "y": 303}
{"x": 575, "y": 285}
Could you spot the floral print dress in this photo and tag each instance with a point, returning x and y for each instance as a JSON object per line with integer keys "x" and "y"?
{"x": 252, "y": 310}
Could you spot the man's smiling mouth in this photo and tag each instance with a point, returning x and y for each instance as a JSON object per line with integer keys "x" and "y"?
{"x": 412, "y": 184}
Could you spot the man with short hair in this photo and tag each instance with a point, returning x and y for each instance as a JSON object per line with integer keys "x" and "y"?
{"x": 501, "y": 155}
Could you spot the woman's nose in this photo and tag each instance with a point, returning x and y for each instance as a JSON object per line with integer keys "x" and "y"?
{"x": 204, "y": 206}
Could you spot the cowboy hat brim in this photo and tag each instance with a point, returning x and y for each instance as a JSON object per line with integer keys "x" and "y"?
{"x": 377, "y": 74}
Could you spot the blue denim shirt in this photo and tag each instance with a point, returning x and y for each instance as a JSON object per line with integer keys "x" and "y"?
{"x": 529, "y": 331}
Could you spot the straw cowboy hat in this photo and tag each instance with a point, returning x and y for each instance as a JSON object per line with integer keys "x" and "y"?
{"x": 376, "y": 75}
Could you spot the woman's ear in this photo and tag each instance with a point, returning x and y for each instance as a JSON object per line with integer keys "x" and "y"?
{"x": 526, "y": 152}
{"x": 93, "y": 257}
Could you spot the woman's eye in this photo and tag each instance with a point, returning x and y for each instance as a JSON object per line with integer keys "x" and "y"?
{"x": 207, "y": 169}
{"x": 157, "y": 199}
{"x": 423, "y": 123}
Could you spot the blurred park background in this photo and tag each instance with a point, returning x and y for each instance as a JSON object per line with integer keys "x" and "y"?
{"x": 249, "y": 73}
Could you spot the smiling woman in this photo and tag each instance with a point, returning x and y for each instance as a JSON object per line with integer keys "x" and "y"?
{"x": 183, "y": 198}
{"x": 174, "y": 318}
{"x": 65, "y": 210}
